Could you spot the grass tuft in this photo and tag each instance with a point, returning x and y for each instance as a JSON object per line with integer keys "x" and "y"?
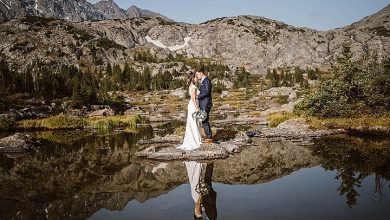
{"x": 277, "y": 118}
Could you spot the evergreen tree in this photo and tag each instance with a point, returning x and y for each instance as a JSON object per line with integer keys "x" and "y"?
{"x": 108, "y": 69}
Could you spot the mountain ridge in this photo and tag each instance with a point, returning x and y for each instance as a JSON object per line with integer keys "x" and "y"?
{"x": 72, "y": 10}
{"x": 257, "y": 43}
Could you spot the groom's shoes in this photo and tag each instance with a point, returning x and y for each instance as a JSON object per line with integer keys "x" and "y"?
{"x": 208, "y": 141}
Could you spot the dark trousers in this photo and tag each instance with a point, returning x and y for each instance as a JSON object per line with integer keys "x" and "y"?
{"x": 206, "y": 124}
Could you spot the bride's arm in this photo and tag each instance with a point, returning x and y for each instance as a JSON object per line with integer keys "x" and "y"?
{"x": 193, "y": 98}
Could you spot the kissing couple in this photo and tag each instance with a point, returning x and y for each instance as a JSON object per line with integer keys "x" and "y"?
{"x": 200, "y": 100}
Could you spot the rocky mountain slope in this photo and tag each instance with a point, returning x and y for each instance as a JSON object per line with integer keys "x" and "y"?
{"x": 72, "y": 10}
{"x": 254, "y": 42}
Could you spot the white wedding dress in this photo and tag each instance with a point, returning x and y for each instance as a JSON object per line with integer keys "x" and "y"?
{"x": 192, "y": 138}
{"x": 194, "y": 169}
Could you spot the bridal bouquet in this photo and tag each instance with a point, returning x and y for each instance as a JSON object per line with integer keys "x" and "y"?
{"x": 199, "y": 116}
{"x": 202, "y": 188}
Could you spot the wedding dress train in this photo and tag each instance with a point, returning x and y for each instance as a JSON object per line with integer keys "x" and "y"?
{"x": 192, "y": 138}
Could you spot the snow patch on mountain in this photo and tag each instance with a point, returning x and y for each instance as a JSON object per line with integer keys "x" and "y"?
{"x": 171, "y": 48}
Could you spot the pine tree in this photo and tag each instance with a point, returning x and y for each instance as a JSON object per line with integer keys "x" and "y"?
{"x": 108, "y": 69}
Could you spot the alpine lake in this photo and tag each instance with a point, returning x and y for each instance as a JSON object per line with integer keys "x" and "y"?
{"x": 96, "y": 175}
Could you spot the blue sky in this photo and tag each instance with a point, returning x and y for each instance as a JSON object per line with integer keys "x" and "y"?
{"x": 317, "y": 14}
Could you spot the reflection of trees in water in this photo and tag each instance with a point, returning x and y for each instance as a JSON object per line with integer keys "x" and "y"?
{"x": 355, "y": 159}
{"x": 76, "y": 178}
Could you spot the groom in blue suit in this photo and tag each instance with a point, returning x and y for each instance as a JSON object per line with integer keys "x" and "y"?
{"x": 205, "y": 101}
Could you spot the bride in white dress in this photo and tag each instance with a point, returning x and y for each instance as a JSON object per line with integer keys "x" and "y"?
{"x": 192, "y": 139}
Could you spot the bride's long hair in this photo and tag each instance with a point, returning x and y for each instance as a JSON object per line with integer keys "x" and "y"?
{"x": 191, "y": 77}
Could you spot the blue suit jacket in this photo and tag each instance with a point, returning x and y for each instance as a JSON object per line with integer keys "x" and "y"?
{"x": 204, "y": 97}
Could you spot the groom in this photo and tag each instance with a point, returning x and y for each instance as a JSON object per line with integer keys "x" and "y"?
{"x": 205, "y": 101}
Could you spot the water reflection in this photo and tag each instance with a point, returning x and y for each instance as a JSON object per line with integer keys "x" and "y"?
{"x": 76, "y": 175}
{"x": 354, "y": 159}
{"x": 202, "y": 192}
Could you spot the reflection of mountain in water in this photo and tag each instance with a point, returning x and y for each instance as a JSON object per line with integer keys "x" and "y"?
{"x": 76, "y": 180}
{"x": 268, "y": 161}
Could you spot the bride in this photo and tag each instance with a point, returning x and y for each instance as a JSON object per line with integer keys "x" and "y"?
{"x": 192, "y": 138}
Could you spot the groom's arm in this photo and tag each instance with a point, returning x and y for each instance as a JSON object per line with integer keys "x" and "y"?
{"x": 206, "y": 91}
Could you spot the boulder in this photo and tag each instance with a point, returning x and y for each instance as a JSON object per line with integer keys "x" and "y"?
{"x": 289, "y": 108}
{"x": 135, "y": 111}
{"x": 205, "y": 152}
{"x": 164, "y": 148}
{"x": 17, "y": 143}
{"x": 280, "y": 91}
{"x": 295, "y": 130}
{"x": 101, "y": 113}
{"x": 225, "y": 94}
{"x": 181, "y": 93}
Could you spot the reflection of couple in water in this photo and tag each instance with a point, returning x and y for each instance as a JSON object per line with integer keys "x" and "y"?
{"x": 199, "y": 175}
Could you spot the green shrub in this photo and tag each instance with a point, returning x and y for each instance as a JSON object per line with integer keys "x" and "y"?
{"x": 107, "y": 44}
{"x": 243, "y": 79}
{"x": 358, "y": 88}
{"x": 282, "y": 99}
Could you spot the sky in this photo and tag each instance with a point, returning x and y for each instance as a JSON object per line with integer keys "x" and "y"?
{"x": 316, "y": 14}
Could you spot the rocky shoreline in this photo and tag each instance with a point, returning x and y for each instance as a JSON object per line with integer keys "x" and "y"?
{"x": 164, "y": 148}
{"x": 294, "y": 130}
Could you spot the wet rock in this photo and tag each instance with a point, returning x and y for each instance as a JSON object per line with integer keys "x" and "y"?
{"x": 17, "y": 143}
{"x": 164, "y": 148}
{"x": 295, "y": 130}
{"x": 240, "y": 121}
{"x": 205, "y": 152}
{"x": 230, "y": 148}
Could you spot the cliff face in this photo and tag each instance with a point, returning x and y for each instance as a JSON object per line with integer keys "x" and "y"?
{"x": 61, "y": 9}
{"x": 72, "y": 10}
{"x": 254, "y": 42}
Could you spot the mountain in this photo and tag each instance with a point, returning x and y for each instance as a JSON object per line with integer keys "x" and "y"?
{"x": 72, "y": 10}
{"x": 254, "y": 42}
{"x": 133, "y": 12}
{"x": 110, "y": 10}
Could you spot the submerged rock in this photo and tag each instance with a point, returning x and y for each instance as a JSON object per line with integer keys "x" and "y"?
{"x": 17, "y": 143}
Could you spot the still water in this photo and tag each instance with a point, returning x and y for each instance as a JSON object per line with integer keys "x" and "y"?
{"x": 84, "y": 175}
